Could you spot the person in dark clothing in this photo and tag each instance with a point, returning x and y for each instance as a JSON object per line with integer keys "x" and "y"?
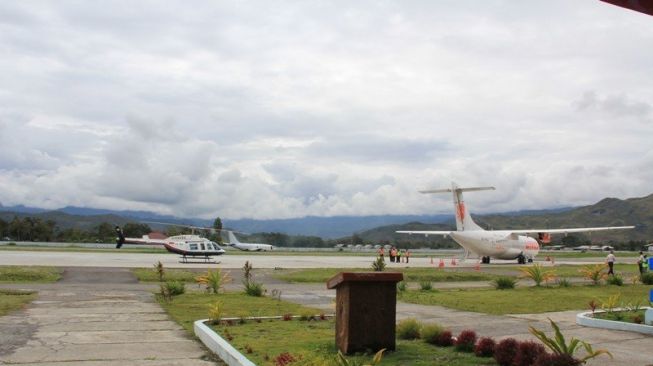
{"x": 120, "y": 240}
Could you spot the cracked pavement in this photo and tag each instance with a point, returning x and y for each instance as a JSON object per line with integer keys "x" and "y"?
{"x": 96, "y": 317}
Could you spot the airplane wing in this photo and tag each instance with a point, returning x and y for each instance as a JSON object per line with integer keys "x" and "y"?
{"x": 444, "y": 233}
{"x": 569, "y": 230}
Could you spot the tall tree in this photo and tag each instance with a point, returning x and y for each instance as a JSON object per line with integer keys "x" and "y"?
{"x": 217, "y": 235}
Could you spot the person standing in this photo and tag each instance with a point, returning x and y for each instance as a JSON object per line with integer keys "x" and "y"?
{"x": 393, "y": 254}
{"x": 398, "y": 255}
{"x": 381, "y": 253}
{"x": 640, "y": 263}
{"x": 610, "y": 259}
{"x": 120, "y": 240}
{"x": 407, "y": 255}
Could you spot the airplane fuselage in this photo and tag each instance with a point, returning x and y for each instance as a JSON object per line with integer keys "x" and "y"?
{"x": 497, "y": 244}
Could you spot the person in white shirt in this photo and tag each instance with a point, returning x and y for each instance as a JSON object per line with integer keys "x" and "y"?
{"x": 610, "y": 260}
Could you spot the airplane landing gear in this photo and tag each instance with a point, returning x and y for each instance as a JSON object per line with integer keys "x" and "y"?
{"x": 485, "y": 260}
{"x": 530, "y": 260}
{"x": 521, "y": 259}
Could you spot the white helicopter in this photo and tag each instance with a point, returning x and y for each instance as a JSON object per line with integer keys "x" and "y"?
{"x": 187, "y": 246}
{"x": 252, "y": 247}
{"x": 500, "y": 244}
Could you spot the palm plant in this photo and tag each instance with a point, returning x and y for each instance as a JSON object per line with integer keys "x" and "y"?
{"x": 341, "y": 360}
{"x": 214, "y": 280}
{"x": 594, "y": 272}
{"x": 558, "y": 345}
{"x": 160, "y": 271}
{"x": 537, "y": 273}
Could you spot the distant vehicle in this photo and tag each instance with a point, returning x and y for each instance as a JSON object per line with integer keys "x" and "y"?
{"x": 556, "y": 247}
{"x": 6, "y": 238}
{"x": 368, "y": 246}
{"x": 251, "y": 247}
{"x": 582, "y": 248}
{"x": 501, "y": 244}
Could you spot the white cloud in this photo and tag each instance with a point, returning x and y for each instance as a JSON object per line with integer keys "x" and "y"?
{"x": 272, "y": 110}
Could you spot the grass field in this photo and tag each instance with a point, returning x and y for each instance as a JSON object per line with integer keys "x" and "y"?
{"x": 11, "y": 300}
{"x": 187, "y": 308}
{"x": 12, "y": 274}
{"x": 36, "y": 248}
{"x": 150, "y": 275}
{"x": 526, "y": 300}
{"x": 314, "y": 342}
{"x": 410, "y": 274}
{"x": 309, "y": 339}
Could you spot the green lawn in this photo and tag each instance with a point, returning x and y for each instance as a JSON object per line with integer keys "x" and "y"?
{"x": 11, "y": 300}
{"x": 150, "y": 275}
{"x": 11, "y": 274}
{"x": 410, "y": 274}
{"x": 36, "y": 248}
{"x": 191, "y": 306}
{"x": 526, "y": 300}
{"x": 311, "y": 339}
{"x": 314, "y": 341}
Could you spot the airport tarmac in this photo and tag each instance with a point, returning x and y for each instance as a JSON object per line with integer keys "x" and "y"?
{"x": 267, "y": 260}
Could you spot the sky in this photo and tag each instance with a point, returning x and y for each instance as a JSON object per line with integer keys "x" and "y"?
{"x": 283, "y": 109}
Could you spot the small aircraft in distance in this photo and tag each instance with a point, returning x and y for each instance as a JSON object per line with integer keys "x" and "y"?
{"x": 500, "y": 244}
{"x": 252, "y": 247}
{"x": 186, "y": 246}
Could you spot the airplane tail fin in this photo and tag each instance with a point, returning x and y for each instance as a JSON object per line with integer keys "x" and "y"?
{"x": 232, "y": 238}
{"x": 464, "y": 220}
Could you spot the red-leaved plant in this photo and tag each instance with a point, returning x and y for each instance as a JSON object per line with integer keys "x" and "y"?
{"x": 287, "y": 317}
{"x": 505, "y": 351}
{"x": 444, "y": 339}
{"x": 527, "y": 353}
{"x": 284, "y": 359}
{"x": 466, "y": 341}
{"x": 593, "y": 304}
{"x": 485, "y": 347}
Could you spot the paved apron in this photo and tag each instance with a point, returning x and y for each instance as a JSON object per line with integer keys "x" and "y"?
{"x": 96, "y": 317}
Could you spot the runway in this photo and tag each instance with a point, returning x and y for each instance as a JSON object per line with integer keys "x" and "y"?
{"x": 146, "y": 260}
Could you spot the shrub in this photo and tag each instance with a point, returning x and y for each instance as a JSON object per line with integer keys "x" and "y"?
{"x": 341, "y": 360}
{"x": 213, "y": 280}
{"x": 547, "y": 359}
{"x": 431, "y": 332}
{"x": 284, "y": 359}
{"x": 504, "y": 283}
{"x": 594, "y": 272}
{"x": 401, "y": 286}
{"x": 466, "y": 341}
{"x": 564, "y": 282}
{"x": 378, "y": 265}
{"x": 485, "y": 347}
{"x": 559, "y": 346}
{"x": 537, "y": 274}
{"x": 287, "y": 317}
{"x": 647, "y": 278}
{"x": 175, "y": 287}
{"x": 527, "y": 353}
{"x": 615, "y": 280}
{"x": 254, "y": 289}
{"x": 408, "y": 329}
{"x": 160, "y": 271}
{"x": 215, "y": 312}
{"x": 426, "y": 286}
{"x": 445, "y": 339}
{"x": 505, "y": 351}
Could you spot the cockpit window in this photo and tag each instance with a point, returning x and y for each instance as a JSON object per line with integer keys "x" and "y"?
{"x": 193, "y": 246}
{"x": 202, "y": 246}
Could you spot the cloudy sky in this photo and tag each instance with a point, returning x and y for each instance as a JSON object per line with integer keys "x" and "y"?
{"x": 279, "y": 109}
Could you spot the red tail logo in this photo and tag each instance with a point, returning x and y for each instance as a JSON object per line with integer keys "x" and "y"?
{"x": 460, "y": 211}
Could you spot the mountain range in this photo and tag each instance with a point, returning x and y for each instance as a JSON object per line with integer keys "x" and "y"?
{"x": 607, "y": 212}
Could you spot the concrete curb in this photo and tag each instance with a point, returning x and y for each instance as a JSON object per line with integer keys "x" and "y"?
{"x": 217, "y": 344}
{"x": 587, "y": 320}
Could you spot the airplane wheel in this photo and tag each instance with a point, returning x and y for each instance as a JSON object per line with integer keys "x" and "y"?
{"x": 521, "y": 259}
{"x": 530, "y": 260}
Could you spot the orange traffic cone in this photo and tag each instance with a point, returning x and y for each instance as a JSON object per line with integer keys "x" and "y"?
{"x": 477, "y": 266}
{"x": 441, "y": 265}
{"x": 453, "y": 261}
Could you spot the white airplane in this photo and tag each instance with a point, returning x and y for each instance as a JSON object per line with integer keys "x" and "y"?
{"x": 252, "y": 247}
{"x": 499, "y": 244}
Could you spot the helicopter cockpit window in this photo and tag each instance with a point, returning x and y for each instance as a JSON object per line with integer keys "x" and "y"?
{"x": 193, "y": 246}
{"x": 202, "y": 246}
